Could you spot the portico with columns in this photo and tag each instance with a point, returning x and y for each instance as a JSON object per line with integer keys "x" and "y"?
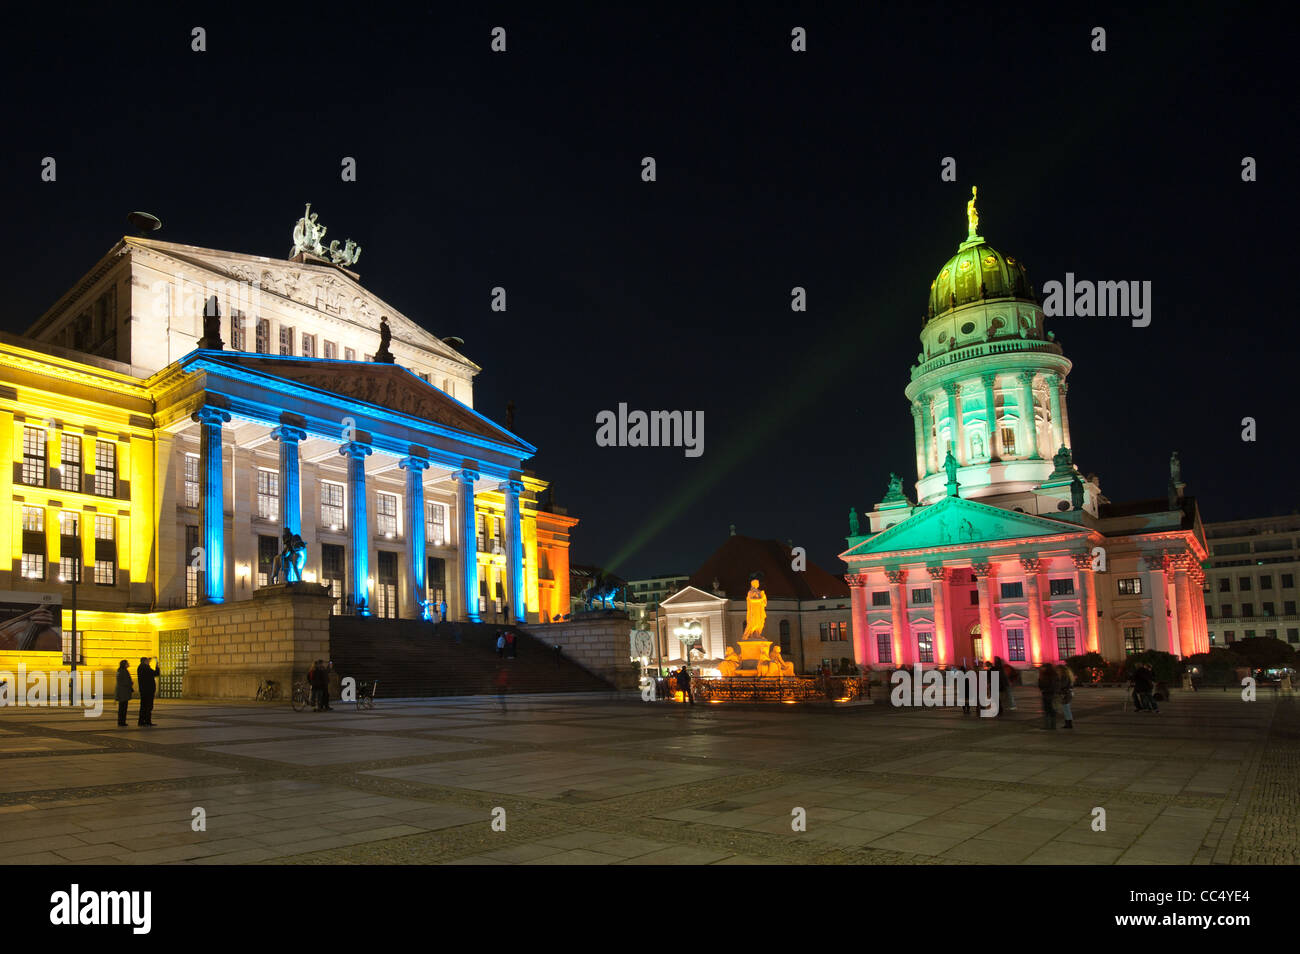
{"x": 377, "y": 471}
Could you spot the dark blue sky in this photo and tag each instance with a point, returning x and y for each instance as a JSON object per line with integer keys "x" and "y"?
{"x": 775, "y": 169}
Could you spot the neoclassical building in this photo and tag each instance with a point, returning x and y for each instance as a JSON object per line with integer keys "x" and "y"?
{"x": 179, "y": 406}
{"x": 1009, "y": 549}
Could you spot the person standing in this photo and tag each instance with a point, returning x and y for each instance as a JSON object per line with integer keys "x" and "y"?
{"x": 442, "y": 611}
{"x": 510, "y": 644}
{"x": 124, "y": 690}
{"x": 1065, "y": 682}
{"x": 501, "y": 645}
{"x": 1143, "y": 685}
{"x": 684, "y": 684}
{"x": 1047, "y": 689}
{"x": 148, "y": 679}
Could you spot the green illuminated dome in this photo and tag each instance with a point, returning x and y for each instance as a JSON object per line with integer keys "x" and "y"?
{"x": 977, "y": 272}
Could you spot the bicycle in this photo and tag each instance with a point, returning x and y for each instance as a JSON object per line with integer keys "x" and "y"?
{"x": 366, "y": 694}
{"x": 302, "y": 697}
{"x": 268, "y": 691}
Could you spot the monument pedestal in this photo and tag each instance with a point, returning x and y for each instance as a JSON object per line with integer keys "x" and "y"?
{"x": 276, "y": 635}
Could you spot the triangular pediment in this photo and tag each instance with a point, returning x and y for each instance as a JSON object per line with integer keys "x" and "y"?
{"x": 692, "y": 594}
{"x": 328, "y": 289}
{"x": 386, "y": 386}
{"x": 954, "y": 522}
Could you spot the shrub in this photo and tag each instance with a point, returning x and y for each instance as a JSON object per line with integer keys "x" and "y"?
{"x": 1087, "y": 667}
{"x": 1165, "y": 667}
{"x": 1263, "y": 652}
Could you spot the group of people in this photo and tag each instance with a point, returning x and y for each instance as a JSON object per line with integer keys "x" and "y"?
{"x": 148, "y": 677}
{"x": 1143, "y": 681}
{"x": 1056, "y": 686}
{"x": 507, "y": 644}
{"x": 1006, "y": 677}
{"x": 318, "y": 678}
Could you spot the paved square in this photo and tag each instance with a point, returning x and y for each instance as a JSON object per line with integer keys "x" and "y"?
{"x": 588, "y": 779}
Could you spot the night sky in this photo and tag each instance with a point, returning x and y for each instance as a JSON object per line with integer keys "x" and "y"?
{"x": 775, "y": 169}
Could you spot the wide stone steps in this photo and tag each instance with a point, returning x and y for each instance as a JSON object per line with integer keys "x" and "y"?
{"x": 410, "y": 658}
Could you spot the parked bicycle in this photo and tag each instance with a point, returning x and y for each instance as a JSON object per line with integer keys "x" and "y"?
{"x": 302, "y": 698}
{"x": 366, "y": 694}
{"x": 268, "y": 691}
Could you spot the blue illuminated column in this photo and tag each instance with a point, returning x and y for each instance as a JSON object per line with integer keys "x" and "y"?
{"x": 515, "y": 552}
{"x": 212, "y": 503}
{"x": 356, "y": 452}
{"x": 290, "y": 496}
{"x": 415, "y": 466}
{"x": 468, "y": 541}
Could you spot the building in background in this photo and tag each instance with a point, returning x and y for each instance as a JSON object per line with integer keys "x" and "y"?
{"x": 1009, "y": 550}
{"x": 1250, "y": 586}
{"x": 808, "y": 610}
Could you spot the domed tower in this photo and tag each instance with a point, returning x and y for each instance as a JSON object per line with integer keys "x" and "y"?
{"x": 989, "y": 385}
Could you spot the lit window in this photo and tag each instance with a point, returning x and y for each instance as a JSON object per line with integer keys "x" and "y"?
{"x": 309, "y": 346}
{"x": 332, "y": 513}
{"x": 70, "y": 467}
{"x": 1064, "y": 642}
{"x": 925, "y": 647}
{"x": 268, "y": 494}
{"x": 238, "y": 335}
{"x": 191, "y": 571}
{"x": 286, "y": 341}
{"x": 884, "y": 648}
{"x": 191, "y": 480}
{"x": 106, "y": 468}
{"x": 105, "y": 550}
{"x": 331, "y": 350}
{"x": 1131, "y": 586}
{"x": 435, "y": 524}
{"x": 386, "y": 514}
{"x": 263, "y": 336}
{"x": 1016, "y": 645}
{"x": 34, "y": 456}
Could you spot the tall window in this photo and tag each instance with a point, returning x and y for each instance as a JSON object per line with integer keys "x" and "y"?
{"x": 1009, "y": 441}
{"x": 34, "y": 456}
{"x": 106, "y": 468}
{"x": 1016, "y": 645}
{"x": 331, "y": 350}
{"x": 331, "y": 571}
{"x": 268, "y": 494}
{"x": 1064, "y": 642}
{"x": 309, "y": 346}
{"x": 386, "y": 514}
{"x": 884, "y": 648}
{"x": 925, "y": 647}
{"x": 386, "y": 586}
{"x": 263, "y": 336}
{"x": 332, "y": 512}
{"x": 69, "y": 546}
{"x": 33, "y": 543}
{"x": 497, "y": 535}
{"x": 70, "y": 468}
{"x": 1134, "y": 641}
{"x": 105, "y": 550}
{"x": 191, "y": 571}
{"x": 286, "y": 340}
{"x": 349, "y": 354}
{"x": 481, "y": 531}
{"x": 435, "y": 583}
{"x": 238, "y": 333}
{"x": 267, "y": 549}
{"x": 435, "y": 524}
{"x": 191, "y": 480}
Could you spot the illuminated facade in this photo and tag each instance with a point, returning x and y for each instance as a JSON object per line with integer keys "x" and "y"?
{"x": 1009, "y": 549}
{"x": 187, "y": 446}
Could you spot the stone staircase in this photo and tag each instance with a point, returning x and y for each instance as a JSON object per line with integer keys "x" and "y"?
{"x": 411, "y": 658}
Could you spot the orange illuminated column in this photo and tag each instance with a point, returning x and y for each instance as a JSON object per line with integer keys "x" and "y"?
{"x": 942, "y": 631}
{"x": 1182, "y": 592}
{"x": 896, "y": 606}
{"x": 1083, "y": 575}
{"x": 1198, "y": 608}
{"x": 858, "y": 595}
{"x": 983, "y": 577}
{"x": 1032, "y": 566}
{"x": 1157, "y": 578}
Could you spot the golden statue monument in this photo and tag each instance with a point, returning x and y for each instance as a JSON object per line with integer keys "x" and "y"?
{"x": 755, "y": 610}
{"x": 972, "y": 217}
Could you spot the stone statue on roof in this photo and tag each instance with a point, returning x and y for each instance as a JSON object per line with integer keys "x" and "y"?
{"x": 307, "y": 234}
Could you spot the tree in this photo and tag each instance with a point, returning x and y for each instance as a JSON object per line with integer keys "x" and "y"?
{"x": 1264, "y": 652}
{"x": 1217, "y": 667}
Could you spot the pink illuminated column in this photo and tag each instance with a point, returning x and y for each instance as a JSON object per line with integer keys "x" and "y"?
{"x": 983, "y": 577}
{"x": 1086, "y": 585}
{"x": 1182, "y": 592}
{"x": 944, "y": 652}
{"x": 1032, "y": 566}
{"x": 858, "y": 595}
{"x": 896, "y": 611}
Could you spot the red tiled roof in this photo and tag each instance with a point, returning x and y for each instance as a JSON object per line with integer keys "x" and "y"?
{"x": 733, "y": 562}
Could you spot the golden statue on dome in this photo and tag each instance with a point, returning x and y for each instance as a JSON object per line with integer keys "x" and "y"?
{"x": 972, "y": 216}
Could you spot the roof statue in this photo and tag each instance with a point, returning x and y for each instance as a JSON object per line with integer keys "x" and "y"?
{"x": 308, "y": 234}
{"x": 853, "y": 522}
{"x": 385, "y": 337}
{"x": 211, "y": 339}
{"x": 895, "y": 493}
{"x": 972, "y": 217}
{"x": 1076, "y": 493}
{"x": 1064, "y": 462}
{"x": 1175, "y": 468}
{"x": 950, "y": 467}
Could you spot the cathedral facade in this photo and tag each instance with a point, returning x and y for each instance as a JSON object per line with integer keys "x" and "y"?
{"x": 1009, "y": 550}
{"x": 180, "y": 408}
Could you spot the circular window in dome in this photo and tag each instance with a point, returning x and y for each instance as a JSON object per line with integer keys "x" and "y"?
{"x": 990, "y": 262}
{"x": 943, "y": 336}
{"x": 1063, "y": 505}
{"x": 964, "y": 265}
{"x": 943, "y": 274}
{"x": 968, "y": 328}
{"x": 1010, "y": 260}
{"x": 999, "y": 322}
